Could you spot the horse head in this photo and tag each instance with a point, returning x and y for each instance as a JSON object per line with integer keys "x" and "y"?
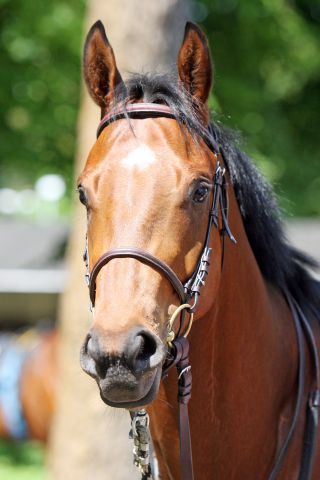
{"x": 147, "y": 185}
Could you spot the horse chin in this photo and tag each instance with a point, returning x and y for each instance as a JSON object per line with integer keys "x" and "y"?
{"x": 122, "y": 395}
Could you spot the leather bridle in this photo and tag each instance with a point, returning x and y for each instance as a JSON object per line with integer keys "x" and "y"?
{"x": 189, "y": 294}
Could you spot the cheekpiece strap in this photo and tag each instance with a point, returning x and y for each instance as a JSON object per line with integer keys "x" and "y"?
{"x": 219, "y": 202}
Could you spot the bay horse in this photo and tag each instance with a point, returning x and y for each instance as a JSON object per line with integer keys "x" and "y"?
{"x": 28, "y": 379}
{"x": 165, "y": 189}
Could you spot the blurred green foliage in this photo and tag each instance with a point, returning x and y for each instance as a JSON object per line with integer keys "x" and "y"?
{"x": 39, "y": 88}
{"x": 21, "y": 461}
{"x": 267, "y": 84}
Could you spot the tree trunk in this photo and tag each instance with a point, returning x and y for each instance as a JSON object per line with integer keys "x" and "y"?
{"x": 88, "y": 439}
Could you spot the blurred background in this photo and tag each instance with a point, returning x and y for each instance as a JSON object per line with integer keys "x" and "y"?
{"x": 267, "y": 85}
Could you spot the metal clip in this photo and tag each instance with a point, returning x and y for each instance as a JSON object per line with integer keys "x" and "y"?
{"x": 141, "y": 441}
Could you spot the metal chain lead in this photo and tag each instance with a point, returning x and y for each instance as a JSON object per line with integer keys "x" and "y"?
{"x": 141, "y": 443}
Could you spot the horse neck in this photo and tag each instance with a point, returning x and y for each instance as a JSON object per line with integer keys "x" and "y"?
{"x": 248, "y": 350}
{"x": 251, "y": 317}
{"x": 244, "y": 362}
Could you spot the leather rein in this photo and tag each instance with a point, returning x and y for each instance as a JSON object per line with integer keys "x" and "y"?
{"x": 189, "y": 293}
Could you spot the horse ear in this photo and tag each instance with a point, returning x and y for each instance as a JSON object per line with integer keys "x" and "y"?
{"x": 194, "y": 63}
{"x": 99, "y": 65}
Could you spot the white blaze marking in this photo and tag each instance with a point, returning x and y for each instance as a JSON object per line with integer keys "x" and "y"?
{"x": 141, "y": 158}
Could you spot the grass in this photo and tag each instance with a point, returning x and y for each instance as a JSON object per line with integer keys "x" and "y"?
{"x": 21, "y": 461}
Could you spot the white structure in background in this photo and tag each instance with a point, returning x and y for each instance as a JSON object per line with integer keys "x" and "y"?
{"x": 32, "y": 269}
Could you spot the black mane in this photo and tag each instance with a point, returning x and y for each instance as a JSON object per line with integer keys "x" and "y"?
{"x": 280, "y": 263}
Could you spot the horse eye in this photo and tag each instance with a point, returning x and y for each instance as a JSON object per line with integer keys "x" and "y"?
{"x": 200, "y": 194}
{"x": 82, "y": 196}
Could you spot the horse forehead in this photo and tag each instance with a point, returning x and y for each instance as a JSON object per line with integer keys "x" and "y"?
{"x": 152, "y": 145}
{"x": 141, "y": 158}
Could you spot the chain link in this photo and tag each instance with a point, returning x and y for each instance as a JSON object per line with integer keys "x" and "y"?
{"x": 141, "y": 443}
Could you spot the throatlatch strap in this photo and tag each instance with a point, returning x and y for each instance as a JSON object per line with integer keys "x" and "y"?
{"x": 312, "y": 419}
{"x": 299, "y": 401}
{"x": 312, "y": 411}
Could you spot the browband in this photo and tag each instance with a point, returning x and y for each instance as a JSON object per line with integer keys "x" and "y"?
{"x": 152, "y": 110}
{"x": 135, "y": 110}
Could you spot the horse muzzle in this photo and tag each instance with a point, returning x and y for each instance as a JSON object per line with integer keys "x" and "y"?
{"x": 128, "y": 373}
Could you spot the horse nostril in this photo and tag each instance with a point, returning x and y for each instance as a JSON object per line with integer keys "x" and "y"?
{"x": 138, "y": 352}
{"x": 88, "y": 345}
{"x": 95, "y": 355}
{"x": 92, "y": 349}
{"x": 141, "y": 351}
{"x": 147, "y": 347}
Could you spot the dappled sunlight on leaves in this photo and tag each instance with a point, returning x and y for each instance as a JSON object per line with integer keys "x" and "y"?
{"x": 40, "y": 84}
{"x": 267, "y": 85}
